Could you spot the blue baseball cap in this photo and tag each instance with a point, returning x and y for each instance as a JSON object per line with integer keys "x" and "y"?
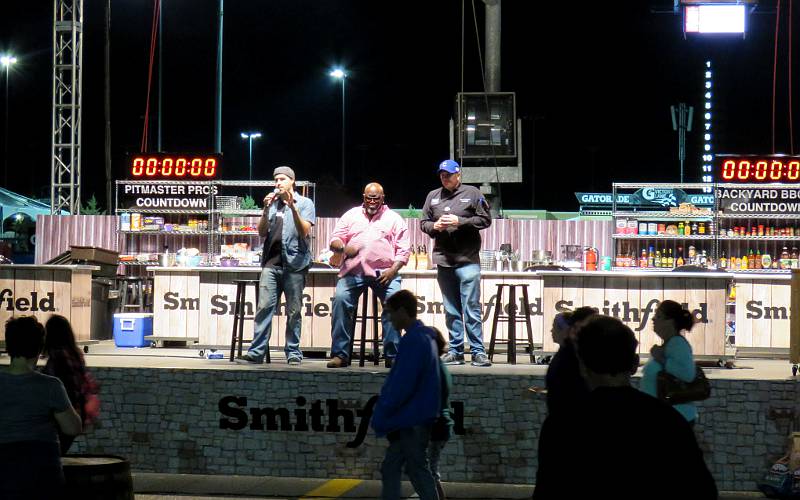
{"x": 449, "y": 166}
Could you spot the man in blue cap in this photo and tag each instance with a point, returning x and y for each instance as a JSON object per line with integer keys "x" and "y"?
{"x": 453, "y": 215}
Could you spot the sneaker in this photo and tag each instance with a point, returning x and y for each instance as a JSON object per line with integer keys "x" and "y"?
{"x": 452, "y": 358}
{"x": 337, "y": 362}
{"x": 247, "y": 359}
{"x": 294, "y": 361}
{"x": 480, "y": 359}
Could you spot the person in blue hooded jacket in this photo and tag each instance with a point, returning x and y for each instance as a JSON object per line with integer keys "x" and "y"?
{"x": 409, "y": 403}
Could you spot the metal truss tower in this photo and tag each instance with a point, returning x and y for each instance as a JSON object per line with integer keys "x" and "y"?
{"x": 65, "y": 168}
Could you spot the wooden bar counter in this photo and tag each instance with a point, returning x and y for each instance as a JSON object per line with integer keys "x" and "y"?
{"x": 43, "y": 290}
{"x": 196, "y": 304}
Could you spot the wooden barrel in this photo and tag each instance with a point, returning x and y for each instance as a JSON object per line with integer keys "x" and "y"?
{"x": 96, "y": 477}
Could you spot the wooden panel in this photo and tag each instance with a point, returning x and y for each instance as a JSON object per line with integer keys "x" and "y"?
{"x": 553, "y": 287}
{"x": 536, "y": 298}
{"x": 81, "y": 304}
{"x": 716, "y": 296}
{"x": 675, "y": 289}
{"x": 62, "y": 291}
{"x": 307, "y": 311}
{"x": 177, "y": 324}
{"x": 225, "y": 297}
{"x": 193, "y": 293}
{"x": 489, "y": 301}
{"x": 696, "y": 299}
{"x": 762, "y": 329}
{"x": 45, "y": 297}
{"x": 594, "y": 292}
{"x": 616, "y": 296}
{"x": 744, "y": 323}
{"x": 161, "y": 315}
{"x": 651, "y": 292}
{"x": 572, "y": 292}
{"x": 24, "y": 287}
{"x": 207, "y": 322}
{"x": 6, "y": 296}
{"x": 781, "y": 298}
{"x": 324, "y": 290}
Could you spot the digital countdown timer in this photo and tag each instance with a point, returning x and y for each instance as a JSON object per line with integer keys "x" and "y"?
{"x": 174, "y": 166}
{"x": 758, "y": 168}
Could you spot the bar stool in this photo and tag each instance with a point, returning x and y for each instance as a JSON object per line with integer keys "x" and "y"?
{"x": 140, "y": 288}
{"x": 363, "y": 317}
{"x": 512, "y": 319}
{"x": 239, "y": 317}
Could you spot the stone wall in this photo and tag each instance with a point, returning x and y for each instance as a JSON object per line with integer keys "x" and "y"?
{"x": 166, "y": 420}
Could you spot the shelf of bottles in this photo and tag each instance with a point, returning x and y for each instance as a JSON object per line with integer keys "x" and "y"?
{"x": 758, "y": 243}
{"x": 648, "y": 236}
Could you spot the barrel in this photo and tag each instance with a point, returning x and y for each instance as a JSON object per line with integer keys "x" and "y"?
{"x": 96, "y": 477}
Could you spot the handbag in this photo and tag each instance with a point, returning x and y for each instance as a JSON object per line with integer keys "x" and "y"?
{"x": 676, "y": 391}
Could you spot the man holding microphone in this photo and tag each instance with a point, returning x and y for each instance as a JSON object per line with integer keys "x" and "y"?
{"x": 285, "y": 226}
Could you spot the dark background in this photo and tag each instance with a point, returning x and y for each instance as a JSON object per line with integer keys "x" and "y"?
{"x": 597, "y": 78}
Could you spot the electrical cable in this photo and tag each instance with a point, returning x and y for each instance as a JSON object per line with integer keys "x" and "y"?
{"x": 775, "y": 71}
{"x": 488, "y": 114}
{"x": 153, "y": 38}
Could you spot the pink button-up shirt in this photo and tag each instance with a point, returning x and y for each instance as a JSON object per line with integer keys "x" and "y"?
{"x": 381, "y": 240}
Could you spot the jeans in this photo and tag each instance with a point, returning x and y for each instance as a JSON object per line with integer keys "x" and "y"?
{"x": 434, "y": 453}
{"x": 408, "y": 447}
{"x": 461, "y": 294}
{"x": 275, "y": 280}
{"x": 348, "y": 289}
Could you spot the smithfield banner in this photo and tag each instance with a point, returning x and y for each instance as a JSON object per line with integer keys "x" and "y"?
{"x": 760, "y": 200}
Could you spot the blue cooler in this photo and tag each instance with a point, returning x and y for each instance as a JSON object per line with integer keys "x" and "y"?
{"x": 130, "y": 329}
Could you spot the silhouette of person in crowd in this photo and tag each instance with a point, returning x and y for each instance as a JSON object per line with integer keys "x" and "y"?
{"x": 34, "y": 406}
{"x": 65, "y": 362}
{"x": 622, "y": 443}
{"x": 565, "y": 386}
{"x": 675, "y": 356}
{"x": 443, "y": 427}
{"x": 410, "y": 401}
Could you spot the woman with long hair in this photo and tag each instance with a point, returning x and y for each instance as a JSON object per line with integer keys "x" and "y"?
{"x": 673, "y": 355}
{"x": 65, "y": 362}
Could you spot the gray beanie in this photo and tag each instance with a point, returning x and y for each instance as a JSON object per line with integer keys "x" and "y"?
{"x": 287, "y": 171}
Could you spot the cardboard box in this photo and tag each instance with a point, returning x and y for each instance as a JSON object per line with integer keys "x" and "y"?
{"x": 95, "y": 254}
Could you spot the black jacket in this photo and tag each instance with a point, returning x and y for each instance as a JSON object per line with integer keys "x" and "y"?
{"x": 456, "y": 246}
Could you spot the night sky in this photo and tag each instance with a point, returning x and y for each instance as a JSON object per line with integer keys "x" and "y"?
{"x": 597, "y": 80}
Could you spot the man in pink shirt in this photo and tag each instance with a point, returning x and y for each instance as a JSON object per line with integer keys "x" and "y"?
{"x": 373, "y": 240}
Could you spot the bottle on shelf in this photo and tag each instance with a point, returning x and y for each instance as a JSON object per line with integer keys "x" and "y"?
{"x": 751, "y": 260}
{"x": 758, "y": 262}
{"x": 680, "y": 228}
{"x": 723, "y": 261}
{"x": 670, "y": 260}
{"x": 687, "y": 228}
{"x": 766, "y": 261}
{"x": 701, "y": 228}
{"x": 679, "y": 260}
{"x": 657, "y": 261}
{"x": 694, "y": 227}
{"x": 784, "y": 261}
{"x": 744, "y": 263}
{"x": 643, "y": 258}
{"x": 692, "y": 257}
{"x": 651, "y": 258}
{"x": 794, "y": 258}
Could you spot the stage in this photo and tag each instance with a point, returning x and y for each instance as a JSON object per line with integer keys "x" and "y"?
{"x": 169, "y": 410}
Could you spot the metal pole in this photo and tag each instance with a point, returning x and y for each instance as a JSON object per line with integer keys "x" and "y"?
{"x": 218, "y": 121}
{"x": 493, "y": 30}
{"x": 5, "y": 135}
{"x": 107, "y": 105}
{"x": 343, "y": 129}
{"x": 682, "y": 135}
{"x": 160, "y": 58}
{"x": 250, "y": 143}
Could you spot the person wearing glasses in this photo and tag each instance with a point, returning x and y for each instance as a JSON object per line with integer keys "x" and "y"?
{"x": 371, "y": 241}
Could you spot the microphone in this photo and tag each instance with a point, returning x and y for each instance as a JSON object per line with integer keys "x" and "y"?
{"x": 277, "y": 193}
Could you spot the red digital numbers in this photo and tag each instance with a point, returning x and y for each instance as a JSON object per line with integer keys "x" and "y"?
{"x": 177, "y": 167}
{"x": 755, "y": 169}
